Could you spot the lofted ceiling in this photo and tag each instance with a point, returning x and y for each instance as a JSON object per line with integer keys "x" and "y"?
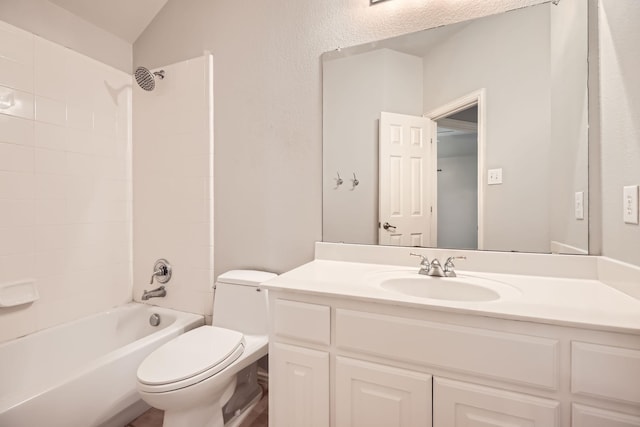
{"x": 125, "y": 19}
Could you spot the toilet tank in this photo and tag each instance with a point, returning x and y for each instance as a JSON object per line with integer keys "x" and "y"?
{"x": 239, "y": 304}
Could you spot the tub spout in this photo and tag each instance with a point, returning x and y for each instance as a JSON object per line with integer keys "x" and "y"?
{"x": 155, "y": 293}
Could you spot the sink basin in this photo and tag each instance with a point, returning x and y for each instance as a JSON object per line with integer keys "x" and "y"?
{"x": 447, "y": 288}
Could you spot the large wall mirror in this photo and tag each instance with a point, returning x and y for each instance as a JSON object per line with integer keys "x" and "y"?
{"x": 472, "y": 135}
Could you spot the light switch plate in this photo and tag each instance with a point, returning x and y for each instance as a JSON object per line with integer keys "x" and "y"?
{"x": 579, "y": 205}
{"x": 630, "y": 204}
{"x": 494, "y": 176}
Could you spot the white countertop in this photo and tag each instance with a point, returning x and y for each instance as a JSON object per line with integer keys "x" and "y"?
{"x": 557, "y": 300}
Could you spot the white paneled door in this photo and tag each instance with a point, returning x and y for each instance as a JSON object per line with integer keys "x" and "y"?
{"x": 407, "y": 181}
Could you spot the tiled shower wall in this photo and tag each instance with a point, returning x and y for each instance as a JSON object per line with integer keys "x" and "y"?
{"x": 65, "y": 181}
{"x": 173, "y": 185}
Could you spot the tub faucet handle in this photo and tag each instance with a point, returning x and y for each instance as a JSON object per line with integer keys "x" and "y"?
{"x": 161, "y": 271}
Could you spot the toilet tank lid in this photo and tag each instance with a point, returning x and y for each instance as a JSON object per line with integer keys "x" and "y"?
{"x": 245, "y": 277}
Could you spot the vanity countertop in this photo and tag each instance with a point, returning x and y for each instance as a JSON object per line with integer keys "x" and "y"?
{"x": 556, "y": 300}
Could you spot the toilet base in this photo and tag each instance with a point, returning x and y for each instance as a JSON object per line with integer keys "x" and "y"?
{"x": 201, "y": 416}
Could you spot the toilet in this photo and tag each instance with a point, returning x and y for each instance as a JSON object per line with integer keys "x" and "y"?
{"x": 207, "y": 377}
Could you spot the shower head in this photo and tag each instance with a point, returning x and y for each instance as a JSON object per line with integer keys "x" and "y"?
{"x": 147, "y": 79}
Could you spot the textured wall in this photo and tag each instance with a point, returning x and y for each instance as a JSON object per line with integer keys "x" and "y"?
{"x": 61, "y": 26}
{"x": 620, "y": 123}
{"x": 268, "y": 107}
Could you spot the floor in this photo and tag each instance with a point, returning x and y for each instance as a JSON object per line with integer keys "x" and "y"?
{"x": 258, "y": 417}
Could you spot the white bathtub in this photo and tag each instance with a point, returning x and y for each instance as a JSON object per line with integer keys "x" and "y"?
{"x": 83, "y": 373}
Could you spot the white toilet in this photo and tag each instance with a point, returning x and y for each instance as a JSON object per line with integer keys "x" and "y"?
{"x": 208, "y": 375}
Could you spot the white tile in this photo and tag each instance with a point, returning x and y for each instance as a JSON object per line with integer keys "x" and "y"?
{"x": 50, "y": 162}
{"x": 51, "y": 137}
{"x": 17, "y": 267}
{"x": 80, "y": 188}
{"x": 80, "y": 75}
{"x": 16, "y": 130}
{"x": 50, "y": 186}
{"x": 50, "y": 66}
{"x": 16, "y": 44}
{"x": 16, "y": 103}
{"x": 79, "y": 118}
{"x": 50, "y": 263}
{"x": 79, "y": 141}
{"x": 82, "y": 165}
{"x": 50, "y": 237}
{"x": 51, "y": 111}
{"x": 51, "y": 212}
{"x": 19, "y": 213}
{"x": 105, "y": 124}
{"x": 104, "y": 145}
{"x": 15, "y": 185}
{"x": 16, "y": 158}
{"x": 18, "y": 323}
{"x": 16, "y": 75}
{"x": 16, "y": 59}
{"x": 17, "y": 240}
{"x": 50, "y": 285}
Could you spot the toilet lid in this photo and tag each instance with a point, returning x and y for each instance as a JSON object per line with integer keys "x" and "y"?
{"x": 190, "y": 354}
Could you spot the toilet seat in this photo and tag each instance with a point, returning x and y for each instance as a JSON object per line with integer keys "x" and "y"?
{"x": 190, "y": 358}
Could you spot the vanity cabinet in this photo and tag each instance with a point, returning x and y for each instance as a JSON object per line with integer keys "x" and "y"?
{"x": 302, "y": 386}
{"x": 459, "y": 404}
{"x": 370, "y": 395}
{"x": 345, "y": 363}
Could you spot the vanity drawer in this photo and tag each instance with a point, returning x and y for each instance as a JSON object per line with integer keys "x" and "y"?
{"x": 605, "y": 371}
{"x": 516, "y": 358}
{"x": 302, "y": 321}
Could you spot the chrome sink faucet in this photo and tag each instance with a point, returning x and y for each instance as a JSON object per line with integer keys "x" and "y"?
{"x": 434, "y": 268}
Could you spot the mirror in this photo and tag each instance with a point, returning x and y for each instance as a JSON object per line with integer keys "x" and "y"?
{"x": 498, "y": 107}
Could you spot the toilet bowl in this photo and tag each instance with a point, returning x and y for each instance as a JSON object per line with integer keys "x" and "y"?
{"x": 194, "y": 376}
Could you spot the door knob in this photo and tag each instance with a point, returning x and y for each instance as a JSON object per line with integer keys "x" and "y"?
{"x": 389, "y": 227}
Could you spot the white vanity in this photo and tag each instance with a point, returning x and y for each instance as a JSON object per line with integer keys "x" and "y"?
{"x": 557, "y": 347}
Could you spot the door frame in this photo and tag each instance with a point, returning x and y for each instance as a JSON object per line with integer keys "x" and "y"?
{"x": 477, "y": 97}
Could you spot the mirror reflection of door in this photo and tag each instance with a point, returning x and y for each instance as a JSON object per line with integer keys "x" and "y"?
{"x": 406, "y": 180}
{"x": 457, "y": 178}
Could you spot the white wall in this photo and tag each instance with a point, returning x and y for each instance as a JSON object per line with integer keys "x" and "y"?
{"x": 56, "y": 24}
{"x": 268, "y": 117}
{"x": 356, "y": 90}
{"x": 65, "y": 184}
{"x": 457, "y": 201}
{"x": 569, "y": 125}
{"x": 620, "y": 123}
{"x": 172, "y": 185}
{"x": 516, "y": 213}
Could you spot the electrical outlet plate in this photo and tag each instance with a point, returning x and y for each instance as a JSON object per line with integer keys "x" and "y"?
{"x": 494, "y": 176}
{"x": 630, "y": 204}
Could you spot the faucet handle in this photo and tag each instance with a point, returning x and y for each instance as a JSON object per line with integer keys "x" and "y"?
{"x": 161, "y": 270}
{"x": 449, "y": 265}
{"x": 423, "y": 259}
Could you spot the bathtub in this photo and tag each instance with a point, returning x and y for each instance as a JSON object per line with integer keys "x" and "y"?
{"x": 83, "y": 373}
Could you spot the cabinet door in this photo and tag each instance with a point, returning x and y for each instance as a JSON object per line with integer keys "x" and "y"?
{"x": 298, "y": 387}
{"x": 458, "y": 404}
{"x": 586, "y": 416}
{"x": 372, "y": 395}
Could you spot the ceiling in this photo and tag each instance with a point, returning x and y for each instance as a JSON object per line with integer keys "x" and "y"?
{"x": 125, "y": 19}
